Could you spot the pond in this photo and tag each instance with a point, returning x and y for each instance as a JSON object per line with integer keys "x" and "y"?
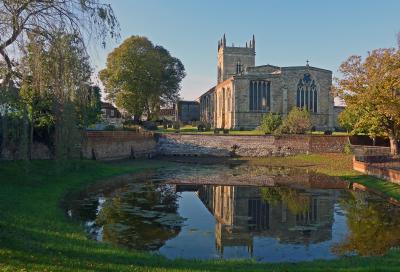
{"x": 237, "y": 211}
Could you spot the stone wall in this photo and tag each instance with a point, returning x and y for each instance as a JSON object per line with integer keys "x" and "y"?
{"x": 247, "y": 146}
{"x": 109, "y": 145}
{"x": 40, "y": 151}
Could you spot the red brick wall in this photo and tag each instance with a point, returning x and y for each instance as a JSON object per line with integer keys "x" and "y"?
{"x": 377, "y": 171}
{"x": 104, "y": 145}
{"x": 321, "y": 143}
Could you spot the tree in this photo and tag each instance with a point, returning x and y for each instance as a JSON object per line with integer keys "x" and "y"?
{"x": 56, "y": 91}
{"x": 88, "y": 106}
{"x": 140, "y": 77}
{"x": 19, "y": 18}
{"x": 298, "y": 121}
{"x": 371, "y": 90}
{"x": 351, "y": 118}
{"x": 270, "y": 122}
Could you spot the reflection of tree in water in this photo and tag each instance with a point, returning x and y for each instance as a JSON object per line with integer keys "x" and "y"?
{"x": 296, "y": 201}
{"x": 142, "y": 216}
{"x": 374, "y": 226}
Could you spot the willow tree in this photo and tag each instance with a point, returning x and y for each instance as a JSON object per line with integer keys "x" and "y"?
{"x": 56, "y": 81}
{"x": 371, "y": 90}
{"x": 140, "y": 77}
{"x": 19, "y": 18}
{"x": 87, "y": 20}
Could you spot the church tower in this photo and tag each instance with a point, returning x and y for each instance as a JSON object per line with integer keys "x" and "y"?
{"x": 233, "y": 60}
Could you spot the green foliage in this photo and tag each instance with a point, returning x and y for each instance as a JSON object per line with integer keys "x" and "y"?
{"x": 270, "y": 122}
{"x": 89, "y": 109}
{"x": 43, "y": 55}
{"x": 109, "y": 127}
{"x": 374, "y": 226}
{"x": 370, "y": 89}
{"x": 140, "y": 77}
{"x": 347, "y": 149}
{"x": 298, "y": 121}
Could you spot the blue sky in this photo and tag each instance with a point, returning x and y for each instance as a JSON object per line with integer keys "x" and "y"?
{"x": 287, "y": 32}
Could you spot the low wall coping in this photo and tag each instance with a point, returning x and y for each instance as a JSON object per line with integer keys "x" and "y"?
{"x": 252, "y": 135}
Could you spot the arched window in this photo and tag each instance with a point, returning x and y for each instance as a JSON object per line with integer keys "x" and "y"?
{"x": 260, "y": 95}
{"x": 307, "y": 94}
{"x": 238, "y": 67}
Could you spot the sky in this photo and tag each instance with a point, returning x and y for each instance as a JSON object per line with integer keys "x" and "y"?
{"x": 287, "y": 32}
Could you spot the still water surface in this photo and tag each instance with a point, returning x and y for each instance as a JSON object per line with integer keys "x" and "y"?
{"x": 290, "y": 216}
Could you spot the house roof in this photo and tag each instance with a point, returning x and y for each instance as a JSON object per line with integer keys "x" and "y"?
{"x": 167, "y": 112}
{"x": 106, "y": 105}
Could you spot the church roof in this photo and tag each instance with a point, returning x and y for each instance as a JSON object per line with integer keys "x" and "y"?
{"x": 208, "y": 92}
{"x": 269, "y": 69}
{"x": 305, "y": 67}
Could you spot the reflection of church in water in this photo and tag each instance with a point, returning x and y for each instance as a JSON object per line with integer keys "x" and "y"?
{"x": 241, "y": 213}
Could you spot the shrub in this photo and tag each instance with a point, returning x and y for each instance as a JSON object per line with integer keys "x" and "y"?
{"x": 201, "y": 127}
{"x": 298, "y": 121}
{"x": 109, "y": 127}
{"x": 207, "y": 127}
{"x": 270, "y": 122}
{"x": 150, "y": 125}
{"x": 328, "y": 132}
{"x": 196, "y": 123}
{"x": 347, "y": 149}
{"x": 129, "y": 123}
{"x": 176, "y": 125}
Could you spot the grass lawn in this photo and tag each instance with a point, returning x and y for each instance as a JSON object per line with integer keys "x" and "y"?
{"x": 334, "y": 164}
{"x": 188, "y": 129}
{"x": 35, "y": 235}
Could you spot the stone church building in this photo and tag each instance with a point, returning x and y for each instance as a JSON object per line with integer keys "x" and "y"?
{"x": 245, "y": 92}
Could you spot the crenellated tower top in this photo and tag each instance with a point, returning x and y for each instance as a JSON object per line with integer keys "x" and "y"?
{"x": 233, "y": 60}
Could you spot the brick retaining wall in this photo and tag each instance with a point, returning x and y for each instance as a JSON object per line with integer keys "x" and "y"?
{"x": 108, "y": 145}
{"x": 378, "y": 171}
{"x": 247, "y": 146}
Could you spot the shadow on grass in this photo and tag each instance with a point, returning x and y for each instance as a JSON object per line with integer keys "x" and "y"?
{"x": 35, "y": 234}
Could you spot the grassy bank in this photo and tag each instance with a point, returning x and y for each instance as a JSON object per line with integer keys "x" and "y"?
{"x": 334, "y": 164}
{"x": 188, "y": 129}
{"x": 35, "y": 235}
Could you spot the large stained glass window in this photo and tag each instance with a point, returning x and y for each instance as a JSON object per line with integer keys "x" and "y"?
{"x": 260, "y": 95}
{"x": 307, "y": 94}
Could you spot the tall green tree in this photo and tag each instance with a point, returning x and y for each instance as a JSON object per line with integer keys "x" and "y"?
{"x": 371, "y": 90}
{"x": 140, "y": 77}
{"x": 56, "y": 90}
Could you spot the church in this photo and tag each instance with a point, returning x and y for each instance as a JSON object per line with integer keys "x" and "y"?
{"x": 245, "y": 92}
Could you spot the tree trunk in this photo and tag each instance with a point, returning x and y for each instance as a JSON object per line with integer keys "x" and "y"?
{"x": 394, "y": 149}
